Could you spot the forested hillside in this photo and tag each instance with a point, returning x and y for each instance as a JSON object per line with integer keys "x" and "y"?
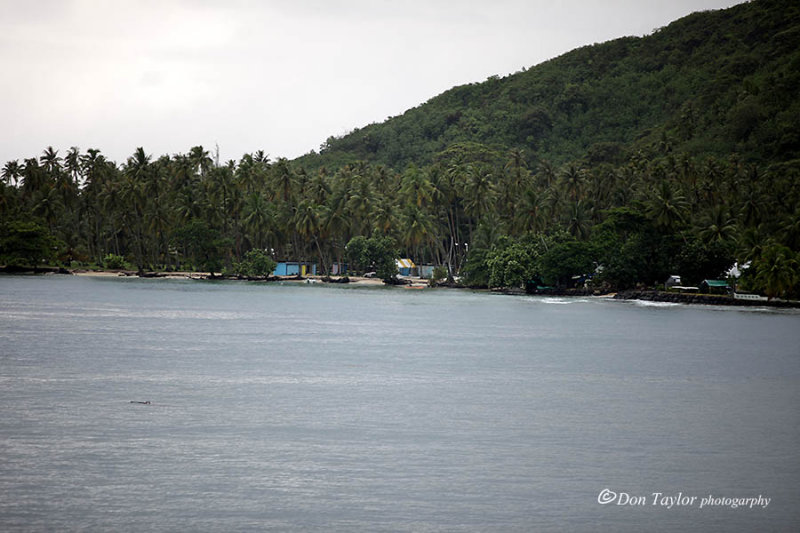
{"x": 625, "y": 162}
{"x": 711, "y": 83}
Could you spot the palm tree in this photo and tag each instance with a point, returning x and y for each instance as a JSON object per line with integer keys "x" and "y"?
{"x": 34, "y": 177}
{"x": 516, "y": 168}
{"x": 579, "y": 221}
{"x": 335, "y": 222}
{"x": 717, "y": 226}
{"x": 319, "y": 189}
{"x": 246, "y": 174}
{"x": 385, "y": 181}
{"x": 750, "y": 243}
{"x": 666, "y": 208}
{"x": 68, "y": 188}
{"x": 138, "y": 165}
{"x": 509, "y": 188}
{"x": 708, "y": 186}
{"x": 50, "y": 160}
{"x": 90, "y": 162}
{"x": 283, "y": 180}
{"x": 8, "y": 198}
{"x": 221, "y": 194}
{"x": 478, "y": 194}
{"x": 602, "y": 188}
{"x": 530, "y": 213}
{"x": 688, "y": 174}
{"x": 573, "y": 181}
{"x": 183, "y": 173}
{"x": 415, "y": 187}
{"x": 359, "y": 206}
{"x": 110, "y": 203}
{"x": 752, "y": 207}
{"x": 154, "y": 188}
{"x": 487, "y": 232}
{"x": 258, "y": 219}
{"x": 96, "y": 170}
{"x": 307, "y": 223}
{"x": 73, "y": 164}
{"x": 12, "y": 172}
{"x": 417, "y": 229}
{"x": 554, "y": 203}
{"x": 137, "y": 171}
{"x": 624, "y": 190}
{"x": 777, "y": 270}
{"x": 447, "y": 195}
{"x": 303, "y": 181}
{"x": 47, "y": 204}
{"x": 186, "y": 206}
{"x": 201, "y": 161}
{"x": 384, "y": 217}
{"x": 546, "y": 175}
{"x": 790, "y": 229}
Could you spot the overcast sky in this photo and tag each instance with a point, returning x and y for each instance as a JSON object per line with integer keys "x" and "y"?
{"x": 278, "y": 76}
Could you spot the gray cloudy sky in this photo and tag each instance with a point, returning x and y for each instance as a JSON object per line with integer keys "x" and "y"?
{"x": 278, "y": 76}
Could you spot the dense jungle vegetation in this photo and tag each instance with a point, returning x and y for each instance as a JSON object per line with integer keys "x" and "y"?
{"x": 674, "y": 153}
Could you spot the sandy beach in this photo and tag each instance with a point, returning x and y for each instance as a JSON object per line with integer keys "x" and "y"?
{"x": 354, "y": 280}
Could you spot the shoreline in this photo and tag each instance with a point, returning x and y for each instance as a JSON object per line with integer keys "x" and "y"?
{"x": 652, "y": 295}
{"x": 701, "y": 299}
{"x": 182, "y": 275}
{"x": 647, "y": 295}
{"x": 207, "y": 276}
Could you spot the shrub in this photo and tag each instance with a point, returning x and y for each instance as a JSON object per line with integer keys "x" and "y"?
{"x": 256, "y": 263}
{"x": 439, "y": 273}
{"x": 113, "y": 262}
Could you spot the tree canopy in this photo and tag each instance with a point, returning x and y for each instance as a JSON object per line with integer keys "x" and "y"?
{"x": 627, "y": 161}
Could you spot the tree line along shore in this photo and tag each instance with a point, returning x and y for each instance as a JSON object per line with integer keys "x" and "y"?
{"x": 614, "y": 166}
{"x": 491, "y": 223}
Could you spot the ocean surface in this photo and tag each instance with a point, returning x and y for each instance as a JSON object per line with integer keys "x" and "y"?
{"x": 288, "y": 407}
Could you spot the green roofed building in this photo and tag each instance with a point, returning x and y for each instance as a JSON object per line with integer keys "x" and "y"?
{"x": 715, "y": 286}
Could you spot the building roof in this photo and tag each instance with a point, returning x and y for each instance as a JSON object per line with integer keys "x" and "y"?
{"x": 715, "y": 282}
{"x": 405, "y": 263}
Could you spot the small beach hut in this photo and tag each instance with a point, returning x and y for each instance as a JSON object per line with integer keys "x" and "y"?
{"x": 406, "y": 267}
{"x": 714, "y": 286}
{"x": 294, "y": 268}
{"x": 425, "y": 271}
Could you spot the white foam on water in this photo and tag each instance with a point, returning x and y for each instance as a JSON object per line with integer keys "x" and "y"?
{"x": 646, "y": 303}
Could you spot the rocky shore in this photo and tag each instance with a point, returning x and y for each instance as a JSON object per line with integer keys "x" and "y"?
{"x": 704, "y": 299}
{"x": 33, "y": 270}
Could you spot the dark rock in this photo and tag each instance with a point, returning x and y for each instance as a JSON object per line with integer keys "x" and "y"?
{"x": 328, "y": 279}
{"x": 152, "y": 275}
{"x": 449, "y": 285}
{"x": 14, "y": 269}
{"x": 397, "y": 281}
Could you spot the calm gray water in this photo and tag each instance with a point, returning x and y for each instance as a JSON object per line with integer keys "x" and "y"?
{"x": 319, "y": 408}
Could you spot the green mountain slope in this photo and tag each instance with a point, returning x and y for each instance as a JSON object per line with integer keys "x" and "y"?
{"x": 711, "y": 83}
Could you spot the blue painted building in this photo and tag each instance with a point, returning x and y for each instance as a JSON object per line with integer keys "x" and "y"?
{"x": 294, "y": 268}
